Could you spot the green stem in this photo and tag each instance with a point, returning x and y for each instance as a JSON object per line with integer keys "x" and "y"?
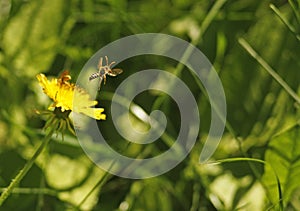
{"x": 99, "y": 184}
{"x": 7, "y": 191}
{"x": 269, "y": 69}
{"x": 32, "y": 191}
{"x": 101, "y": 181}
{"x": 187, "y": 53}
{"x": 295, "y": 8}
{"x": 285, "y": 21}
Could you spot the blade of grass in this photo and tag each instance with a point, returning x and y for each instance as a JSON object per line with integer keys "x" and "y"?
{"x": 269, "y": 69}
{"x": 285, "y": 21}
{"x": 295, "y": 7}
{"x": 209, "y": 18}
{"x": 99, "y": 184}
{"x": 195, "y": 197}
{"x": 101, "y": 181}
{"x": 205, "y": 24}
{"x": 229, "y": 160}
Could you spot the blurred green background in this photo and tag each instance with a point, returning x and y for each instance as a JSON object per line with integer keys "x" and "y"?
{"x": 51, "y": 36}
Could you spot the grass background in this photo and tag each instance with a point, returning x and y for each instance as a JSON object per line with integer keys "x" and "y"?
{"x": 262, "y": 121}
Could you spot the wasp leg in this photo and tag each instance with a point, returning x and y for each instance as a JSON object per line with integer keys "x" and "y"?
{"x": 111, "y": 64}
{"x": 100, "y": 81}
{"x": 100, "y": 63}
{"x": 106, "y": 58}
{"x": 104, "y": 79}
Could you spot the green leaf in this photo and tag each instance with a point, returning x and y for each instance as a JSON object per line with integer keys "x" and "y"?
{"x": 32, "y": 37}
{"x": 283, "y": 154}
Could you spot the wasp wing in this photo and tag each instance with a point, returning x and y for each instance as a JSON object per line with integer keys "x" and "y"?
{"x": 114, "y": 72}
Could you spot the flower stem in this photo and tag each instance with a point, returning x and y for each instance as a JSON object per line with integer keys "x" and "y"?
{"x": 7, "y": 191}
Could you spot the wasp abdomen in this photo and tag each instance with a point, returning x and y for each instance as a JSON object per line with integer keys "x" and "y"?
{"x": 93, "y": 76}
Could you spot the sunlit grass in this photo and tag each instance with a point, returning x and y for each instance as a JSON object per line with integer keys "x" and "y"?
{"x": 254, "y": 46}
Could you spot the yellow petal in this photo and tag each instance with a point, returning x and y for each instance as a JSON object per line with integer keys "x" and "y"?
{"x": 62, "y": 93}
{"x": 95, "y": 113}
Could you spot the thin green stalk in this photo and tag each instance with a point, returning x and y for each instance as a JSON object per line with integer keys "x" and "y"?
{"x": 99, "y": 184}
{"x": 230, "y": 129}
{"x": 195, "y": 197}
{"x": 229, "y": 160}
{"x": 295, "y": 8}
{"x": 269, "y": 69}
{"x": 209, "y": 18}
{"x": 206, "y": 22}
{"x": 285, "y": 21}
{"x": 286, "y": 87}
{"x": 101, "y": 181}
{"x": 30, "y": 191}
{"x": 7, "y": 191}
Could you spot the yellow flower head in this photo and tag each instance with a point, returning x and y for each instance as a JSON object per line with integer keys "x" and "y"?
{"x": 61, "y": 91}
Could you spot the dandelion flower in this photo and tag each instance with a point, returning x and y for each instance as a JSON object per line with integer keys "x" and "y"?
{"x": 62, "y": 92}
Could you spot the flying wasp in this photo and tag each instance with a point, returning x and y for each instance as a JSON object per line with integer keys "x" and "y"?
{"x": 104, "y": 70}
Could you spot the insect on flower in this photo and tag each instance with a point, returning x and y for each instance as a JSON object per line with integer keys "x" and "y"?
{"x": 104, "y": 70}
{"x": 63, "y": 93}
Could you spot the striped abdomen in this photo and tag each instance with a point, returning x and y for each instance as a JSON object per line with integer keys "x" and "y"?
{"x": 94, "y": 75}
